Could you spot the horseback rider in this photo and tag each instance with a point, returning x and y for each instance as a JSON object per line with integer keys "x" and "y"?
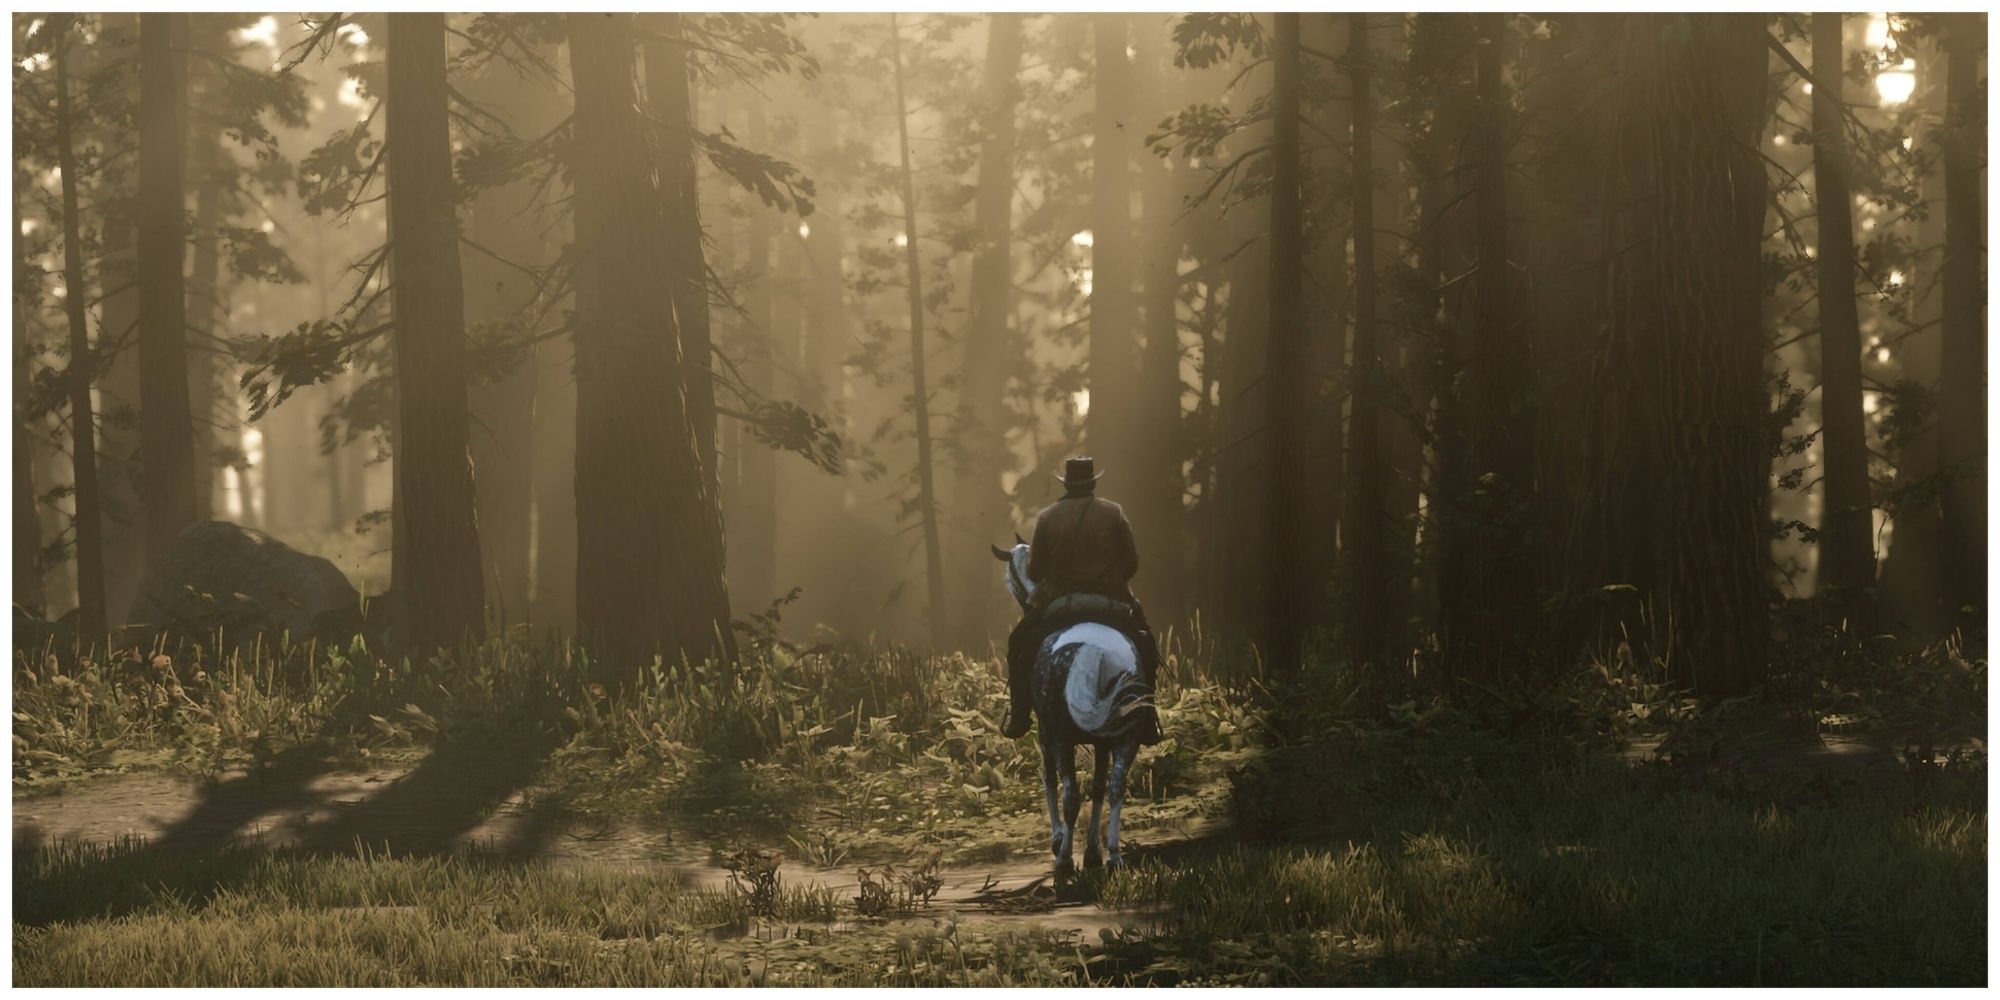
{"x": 1081, "y": 562}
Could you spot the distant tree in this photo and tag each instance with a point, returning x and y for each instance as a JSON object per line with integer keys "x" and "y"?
{"x": 989, "y": 341}
{"x": 919, "y": 386}
{"x": 1362, "y": 525}
{"x": 437, "y": 571}
{"x": 62, "y": 28}
{"x": 1109, "y": 427}
{"x": 28, "y": 592}
{"x": 1847, "y": 556}
{"x": 166, "y": 427}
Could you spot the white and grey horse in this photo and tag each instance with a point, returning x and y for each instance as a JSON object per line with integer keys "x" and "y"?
{"x": 1087, "y": 686}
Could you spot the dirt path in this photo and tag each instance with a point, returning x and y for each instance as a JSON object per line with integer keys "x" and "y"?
{"x": 280, "y": 810}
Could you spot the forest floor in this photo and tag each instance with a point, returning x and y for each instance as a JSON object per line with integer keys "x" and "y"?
{"x": 234, "y": 840}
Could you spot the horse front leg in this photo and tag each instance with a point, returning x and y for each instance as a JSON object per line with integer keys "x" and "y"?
{"x": 1091, "y": 856}
{"x": 1072, "y": 803}
{"x": 1121, "y": 762}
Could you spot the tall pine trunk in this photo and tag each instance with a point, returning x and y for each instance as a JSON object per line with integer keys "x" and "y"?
{"x": 1285, "y": 410}
{"x": 1712, "y": 405}
{"x": 437, "y": 569}
{"x": 989, "y": 343}
{"x": 166, "y": 425}
{"x": 1486, "y": 590}
{"x": 1962, "y": 390}
{"x": 669, "y": 90}
{"x": 206, "y": 158}
{"x": 920, "y": 401}
{"x": 1109, "y": 426}
{"x": 82, "y": 367}
{"x": 649, "y": 534}
{"x": 1362, "y": 527}
{"x": 28, "y": 591}
{"x": 1847, "y": 555}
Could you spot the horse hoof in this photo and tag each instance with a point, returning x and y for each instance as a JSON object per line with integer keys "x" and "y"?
{"x": 1092, "y": 860}
{"x": 1116, "y": 862}
{"x": 1065, "y": 867}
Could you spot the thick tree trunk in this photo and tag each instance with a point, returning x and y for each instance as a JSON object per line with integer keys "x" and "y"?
{"x": 166, "y": 425}
{"x": 1113, "y": 369}
{"x": 1290, "y": 582}
{"x": 1322, "y": 467}
{"x": 1712, "y": 402}
{"x": 82, "y": 366}
{"x": 1962, "y": 390}
{"x": 27, "y": 522}
{"x": 920, "y": 388}
{"x": 982, "y": 502}
{"x": 437, "y": 572}
{"x": 1362, "y": 526}
{"x": 649, "y": 554}
{"x": 1847, "y": 555}
{"x": 206, "y": 312}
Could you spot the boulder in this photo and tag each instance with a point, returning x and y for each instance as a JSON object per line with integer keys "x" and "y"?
{"x": 226, "y": 576}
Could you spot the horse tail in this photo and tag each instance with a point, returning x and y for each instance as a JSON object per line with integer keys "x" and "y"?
{"x": 1106, "y": 700}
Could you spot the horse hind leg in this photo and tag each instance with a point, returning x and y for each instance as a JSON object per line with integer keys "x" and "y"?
{"x": 1121, "y": 763}
{"x": 1049, "y": 779}
{"x": 1092, "y": 857}
{"x": 1072, "y": 804}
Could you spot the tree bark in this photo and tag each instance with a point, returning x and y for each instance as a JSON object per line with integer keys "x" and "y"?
{"x": 82, "y": 366}
{"x": 1362, "y": 526}
{"x": 1962, "y": 390}
{"x": 1286, "y": 395}
{"x": 920, "y": 389}
{"x": 649, "y": 534}
{"x": 438, "y": 571}
{"x": 166, "y": 425}
{"x": 1847, "y": 555}
{"x": 982, "y": 502}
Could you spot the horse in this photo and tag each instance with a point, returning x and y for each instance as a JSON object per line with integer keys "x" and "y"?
{"x": 1087, "y": 684}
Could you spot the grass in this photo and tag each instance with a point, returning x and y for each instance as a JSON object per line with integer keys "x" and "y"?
{"x": 1477, "y": 836}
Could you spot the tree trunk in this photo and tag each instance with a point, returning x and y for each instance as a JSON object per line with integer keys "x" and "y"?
{"x": 1363, "y": 527}
{"x": 1712, "y": 404}
{"x": 438, "y": 572}
{"x": 989, "y": 344}
{"x": 1113, "y": 370}
{"x": 27, "y": 521}
{"x": 649, "y": 534}
{"x": 82, "y": 366}
{"x": 1286, "y": 394}
{"x": 669, "y": 90}
{"x": 1847, "y": 555}
{"x": 206, "y": 312}
{"x": 166, "y": 425}
{"x": 1962, "y": 391}
{"x": 920, "y": 399}
{"x": 1487, "y": 600}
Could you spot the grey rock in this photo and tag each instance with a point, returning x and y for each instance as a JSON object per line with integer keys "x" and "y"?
{"x": 247, "y": 583}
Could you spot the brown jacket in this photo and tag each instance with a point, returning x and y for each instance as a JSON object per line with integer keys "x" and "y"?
{"x": 1082, "y": 545}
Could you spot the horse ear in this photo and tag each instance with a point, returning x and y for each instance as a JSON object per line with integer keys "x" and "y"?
{"x": 1001, "y": 554}
{"x": 1018, "y": 540}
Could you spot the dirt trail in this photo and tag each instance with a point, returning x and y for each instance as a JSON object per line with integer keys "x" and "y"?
{"x": 276, "y": 810}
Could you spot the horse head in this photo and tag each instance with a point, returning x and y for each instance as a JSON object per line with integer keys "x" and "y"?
{"x": 1016, "y": 559}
